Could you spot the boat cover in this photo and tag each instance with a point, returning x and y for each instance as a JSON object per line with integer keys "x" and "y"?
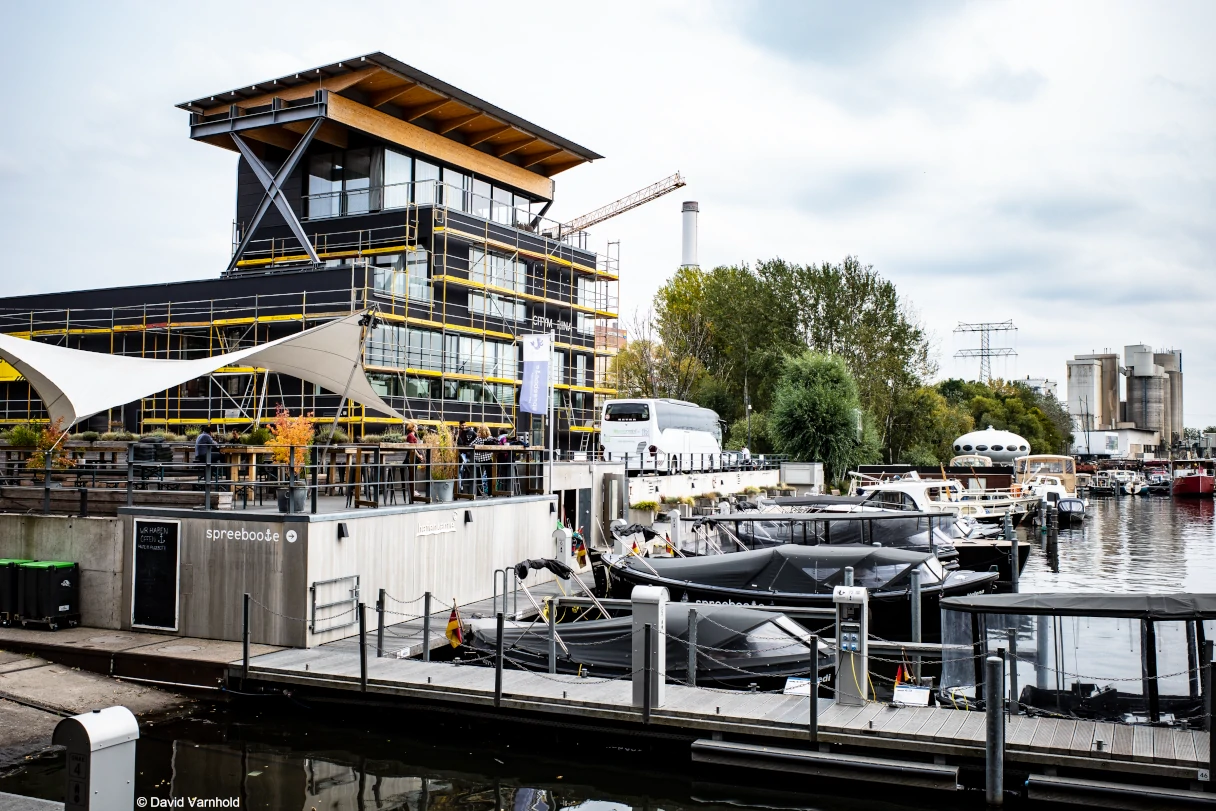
{"x": 732, "y": 632}
{"x": 1161, "y": 607}
{"x": 791, "y": 568}
{"x": 900, "y": 530}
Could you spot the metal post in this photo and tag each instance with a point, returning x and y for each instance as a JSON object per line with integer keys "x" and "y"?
{"x": 498, "y": 663}
{"x": 1208, "y": 682}
{"x": 130, "y": 473}
{"x": 362, "y": 648}
{"x": 1192, "y": 659}
{"x": 1014, "y": 706}
{"x": 813, "y": 705}
{"x": 207, "y": 481}
{"x": 692, "y": 647}
{"x": 46, "y": 481}
{"x": 916, "y": 621}
{"x": 994, "y": 741}
{"x": 380, "y": 624}
{"x": 245, "y": 641}
{"x": 1014, "y": 568}
{"x": 1043, "y": 517}
{"x": 646, "y": 668}
{"x": 312, "y": 496}
{"x": 1008, "y": 525}
{"x": 552, "y": 634}
{"x": 426, "y": 627}
{"x": 1150, "y": 670}
{"x": 848, "y": 575}
{"x": 291, "y": 480}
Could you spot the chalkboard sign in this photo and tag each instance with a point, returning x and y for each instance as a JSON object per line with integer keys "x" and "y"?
{"x": 155, "y": 579}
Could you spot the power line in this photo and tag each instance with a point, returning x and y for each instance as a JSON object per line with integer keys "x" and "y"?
{"x": 986, "y": 351}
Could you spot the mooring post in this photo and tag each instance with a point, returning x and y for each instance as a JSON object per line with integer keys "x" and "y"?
{"x": 1043, "y": 518}
{"x": 813, "y": 706}
{"x": 994, "y": 743}
{"x": 1015, "y": 573}
{"x": 426, "y": 626}
{"x": 1008, "y": 525}
{"x": 552, "y": 634}
{"x": 692, "y": 647}
{"x": 498, "y": 663}
{"x": 848, "y": 575}
{"x": 362, "y": 648}
{"x": 1014, "y": 706}
{"x": 646, "y": 668}
{"x": 916, "y": 621}
{"x": 1151, "y": 688}
{"x": 245, "y": 641}
{"x": 380, "y": 624}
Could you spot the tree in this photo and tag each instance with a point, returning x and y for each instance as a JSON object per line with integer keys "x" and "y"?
{"x": 1040, "y": 419}
{"x": 736, "y": 436}
{"x": 816, "y": 414}
{"x": 647, "y": 367}
{"x": 924, "y": 425}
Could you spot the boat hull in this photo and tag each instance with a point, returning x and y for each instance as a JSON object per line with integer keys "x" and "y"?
{"x": 1193, "y": 486}
{"x": 980, "y": 556}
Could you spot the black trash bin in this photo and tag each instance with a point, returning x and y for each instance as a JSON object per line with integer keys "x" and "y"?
{"x": 8, "y": 589}
{"x": 48, "y": 593}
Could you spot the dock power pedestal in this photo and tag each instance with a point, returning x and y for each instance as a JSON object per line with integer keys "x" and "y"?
{"x": 852, "y": 646}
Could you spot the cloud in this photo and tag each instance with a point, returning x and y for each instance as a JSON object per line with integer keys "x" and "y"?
{"x": 1002, "y": 83}
{"x": 1064, "y": 211}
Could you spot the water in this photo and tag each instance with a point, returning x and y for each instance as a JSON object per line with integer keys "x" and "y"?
{"x": 279, "y": 755}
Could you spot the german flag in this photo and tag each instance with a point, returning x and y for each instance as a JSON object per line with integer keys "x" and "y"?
{"x": 455, "y": 631}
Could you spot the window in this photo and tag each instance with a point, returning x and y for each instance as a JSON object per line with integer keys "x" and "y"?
{"x": 454, "y": 189}
{"x": 494, "y": 305}
{"x": 557, "y": 367}
{"x": 357, "y": 180}
{"x": 398, "y": 175}
{"x": 426, "y": 179}
{"x": 502, "y": 206}
{"x": 397, "y": 274}
{"x": 523, "y": 214}
{"x": 582, "y": 375}
{"x": 584, "y": 323}
{"x": 325, "y": 185}
{"x": 386, "y": 385}
{"x": 425, "y": 350}
{"x": 497, "y": 269}
{"x": 418, "y": 387}
{"x": 481, "y": 197}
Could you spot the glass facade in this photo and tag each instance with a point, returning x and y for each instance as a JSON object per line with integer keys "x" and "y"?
{"x": 494, "y": 305}
{"x": 403, "y": 275}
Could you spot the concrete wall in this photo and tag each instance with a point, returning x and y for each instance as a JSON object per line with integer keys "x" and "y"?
{"x": 94, "y": 543}
{"x": 1084, "y": 393}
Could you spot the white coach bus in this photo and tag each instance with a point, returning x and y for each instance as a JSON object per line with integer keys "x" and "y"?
{"x": 666, "y": 436}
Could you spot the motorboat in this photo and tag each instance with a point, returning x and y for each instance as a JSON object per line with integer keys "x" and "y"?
{"x": 1159, "y": 481}
{"x": 1135, "y": 487}
{"x": 910, "y": 492}
{"x": 1103, "y": 484}
{"x": 1193, "y": 482}
{"x": 1070, "y": 510}
{"x": 736, "y": 645}
{"x": 804, "y": 577}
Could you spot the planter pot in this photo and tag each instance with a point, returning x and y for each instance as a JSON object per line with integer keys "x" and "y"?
{"x": 686, "y": 510}
{"x": 299, "y": 494}
{"x": 443, "y": 490}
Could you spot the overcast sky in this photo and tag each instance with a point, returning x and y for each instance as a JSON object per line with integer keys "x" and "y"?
{"x": 1050, "y": 163}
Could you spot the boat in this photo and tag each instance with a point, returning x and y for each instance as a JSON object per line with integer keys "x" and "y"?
{"x": 911, "y": 492}
{"x": 1103, "y": 484}
{"x": 1070, "y": 510}
{"x": 1193, "y": 482}
{"x": 1160, "y": 482}
{"x": 1053, "y": 478}
{"x": 804, "y": 577}
{"x": 1135, "y": 486}
{"x": 737, "y": 645}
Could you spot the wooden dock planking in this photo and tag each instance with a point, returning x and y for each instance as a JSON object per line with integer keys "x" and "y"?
{"x": 1061, "y": 739}
{"x": 1202, "y": 741}
{"x": 973, "y": 729}
{"x": 1018, "y": 731}
{"x": 931, "y": 725}
{"x": 1185, "y": 748}
{"x": 1082, "y": 739}
{"x": 1142, "y": 743}
{"x": 861, "y": 721}
{"x": 947, "y": 731}
{"x": 1121, "y": 748}
{"x": 1106, "y": 733}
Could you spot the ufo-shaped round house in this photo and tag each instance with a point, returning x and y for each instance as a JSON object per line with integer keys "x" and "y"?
{"x": 1002, "y": 447}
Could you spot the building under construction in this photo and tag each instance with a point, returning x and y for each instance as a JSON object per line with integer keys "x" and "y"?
{"x": 365, "y": 184}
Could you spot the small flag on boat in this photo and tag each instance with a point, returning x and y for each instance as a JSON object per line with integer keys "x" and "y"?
{"x": 455, "y": 631}
{"x": 899, "y": 675}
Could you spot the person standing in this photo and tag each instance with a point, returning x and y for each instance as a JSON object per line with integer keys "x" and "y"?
{"x": 465, "y": 437}
{"x": 482, "y": 459}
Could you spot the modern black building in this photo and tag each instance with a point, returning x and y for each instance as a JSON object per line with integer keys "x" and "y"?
{"x": 364, "y": 183}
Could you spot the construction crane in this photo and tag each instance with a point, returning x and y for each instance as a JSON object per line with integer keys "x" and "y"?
{"x": 632, "y": 201}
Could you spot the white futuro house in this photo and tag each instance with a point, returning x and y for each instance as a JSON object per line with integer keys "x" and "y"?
{"x": 1002, "y": 447}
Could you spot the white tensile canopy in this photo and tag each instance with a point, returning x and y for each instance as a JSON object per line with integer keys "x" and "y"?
{"x": 75, "y": 384}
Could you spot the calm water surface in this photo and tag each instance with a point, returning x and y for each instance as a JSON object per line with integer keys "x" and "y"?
{"x": 302, "y": 757}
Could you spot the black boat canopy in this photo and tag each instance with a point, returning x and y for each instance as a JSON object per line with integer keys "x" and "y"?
{"x": 798, "y": 569}
{"x": 1159, "y": 607}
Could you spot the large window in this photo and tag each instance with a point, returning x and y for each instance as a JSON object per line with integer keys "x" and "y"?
{"x": 494, "y": 305}
{"x": 455, "y": 185}
{"x": 325, "y": 185}
{"x": 403, "y": 274}
{"x": 582, "y": 370}
{"x": 425, "y": 350}
{"x": 426, "y": 181}
{"x": 479, "y": 204}
{"x": 398, "y": 177}
{"x": 497, "y": 269}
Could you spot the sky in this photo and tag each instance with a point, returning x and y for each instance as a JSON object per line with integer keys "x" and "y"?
{"x": 1053, "y": 164}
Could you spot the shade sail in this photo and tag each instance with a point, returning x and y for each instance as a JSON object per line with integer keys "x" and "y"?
{"x": 1163, "y": 607}
{"x": 75, "y": 384}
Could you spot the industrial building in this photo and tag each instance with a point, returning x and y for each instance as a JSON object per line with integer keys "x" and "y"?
{"x": 365, "y": 184}
{"x": 1141, "y": 419}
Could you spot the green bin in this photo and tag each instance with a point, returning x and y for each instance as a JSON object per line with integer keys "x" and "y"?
{"x": 48, "y": 592}
{"x": 8, "y": 588}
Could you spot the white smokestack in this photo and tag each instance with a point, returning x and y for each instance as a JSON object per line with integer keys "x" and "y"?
{"x": 691, "y": 207}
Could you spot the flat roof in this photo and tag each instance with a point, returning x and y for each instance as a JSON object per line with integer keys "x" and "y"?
{"x": 381, "y": 82}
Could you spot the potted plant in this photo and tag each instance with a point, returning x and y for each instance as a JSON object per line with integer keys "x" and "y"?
{"x": 642, "y": 512}
{"x": 686, "y": 505}
{"x": 46, "y": 440}
{"x": 290, "y": 438}
{"x": 443, "y": 460}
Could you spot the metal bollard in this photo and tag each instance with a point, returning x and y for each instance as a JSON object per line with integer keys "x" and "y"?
{"x": 692, "y": 647}
{"x": 426, "y": 627}
{"x": 498, "y": 663}
{"x": 1014, "y": 706}
{"x": 245, "y": 641}
{"x": 552, "y": 634}
{"x": 1014, "y": 569}
{"x": 362, "y": 648}
{"x": 916, "y": 620}
{"x": 380, "y": 624}
{"x": 813, "y": 705}
{"x": 994, "y": 739}
{"x": 1008, "y": 525}
{"x": 848, "y": 575}
{"x": 647, "y": 667}
{"x": 130, "y": 474}
{"x": 46, "y": 482}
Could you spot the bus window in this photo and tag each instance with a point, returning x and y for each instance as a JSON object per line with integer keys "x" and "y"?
{"x": 627, "y": 412}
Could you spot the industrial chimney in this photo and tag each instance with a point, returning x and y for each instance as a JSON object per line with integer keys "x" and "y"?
{"x": 689, "y": 260}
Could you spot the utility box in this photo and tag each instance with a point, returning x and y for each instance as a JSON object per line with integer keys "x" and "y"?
{"x": 100, "y": 758}
{"x": 48, "y": 592}
{"x": 649, "y": 608}
{"x": 8, "y": 589}
{"x": 804, "y": 476}
{"x": 852, "y": 644}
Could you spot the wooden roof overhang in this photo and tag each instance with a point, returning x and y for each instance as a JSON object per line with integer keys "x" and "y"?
{"x": 388, "y": 99}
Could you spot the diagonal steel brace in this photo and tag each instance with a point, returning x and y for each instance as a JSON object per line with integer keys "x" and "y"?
{"x": 273, "y": 184}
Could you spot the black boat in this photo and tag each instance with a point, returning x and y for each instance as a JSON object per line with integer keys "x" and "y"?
{"x": 805, "y": 576}
{"x": 736, "y": 646}
{"x": 1070, "y": 510}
